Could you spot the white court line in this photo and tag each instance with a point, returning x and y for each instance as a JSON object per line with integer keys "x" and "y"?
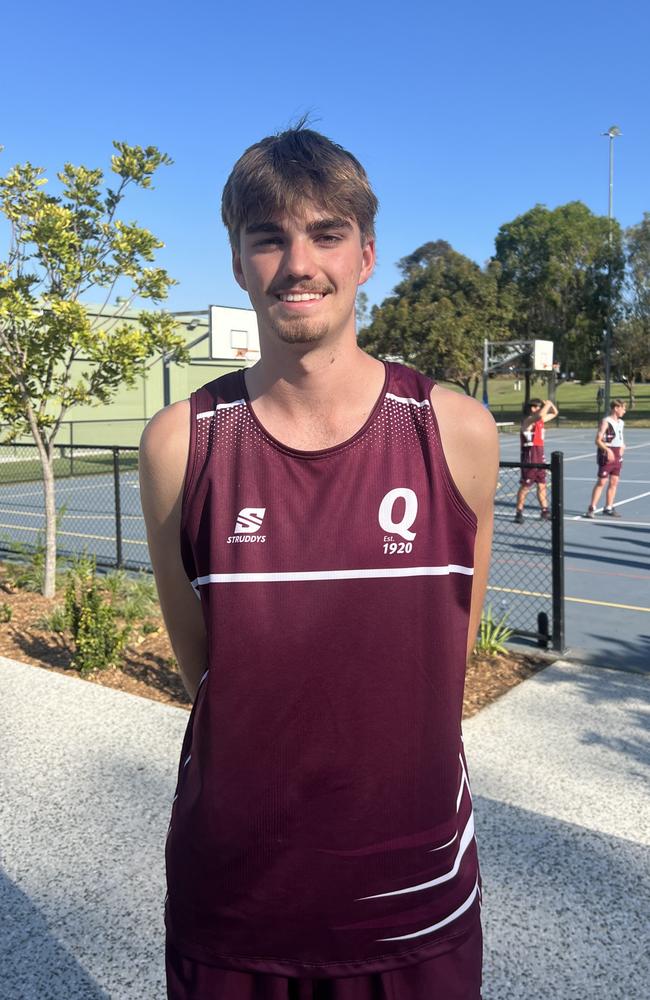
{"x": 592, "y": 453}
{"x": 76, "y": 534}
{"x": 6, "y": 512}
{"x": 590, "y": 479}
{"x": 609, "y": 522}
{"x": 60, "y": 489}
{"x": 620, "y": 503}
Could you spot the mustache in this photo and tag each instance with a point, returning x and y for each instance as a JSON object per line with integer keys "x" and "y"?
{"x": 304, "y": 286}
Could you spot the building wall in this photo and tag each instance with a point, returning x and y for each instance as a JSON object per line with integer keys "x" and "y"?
{"x": 121, "y": 421}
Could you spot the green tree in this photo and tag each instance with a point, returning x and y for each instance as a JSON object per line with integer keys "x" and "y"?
{"x": 361, "y": 310}
{"x": 565, "y": 268}
{"x": 632, "y": 334}
{"x": 62, "y": 247}
{"x": 439, "y": 314}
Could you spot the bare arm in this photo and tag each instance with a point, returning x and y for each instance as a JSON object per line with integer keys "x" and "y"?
{"x": 470, "y": 441}
{"x": 163, "y": 458}
{"x": 601, "y": 443}
{"x": 548, "y": 411}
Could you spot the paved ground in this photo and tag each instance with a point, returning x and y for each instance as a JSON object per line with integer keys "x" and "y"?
{"x": 87, "y": 776}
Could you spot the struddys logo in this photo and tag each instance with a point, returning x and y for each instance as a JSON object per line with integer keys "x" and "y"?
{"x": 247, "y": 526}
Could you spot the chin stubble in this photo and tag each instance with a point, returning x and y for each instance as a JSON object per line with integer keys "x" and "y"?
{"x": 299, "y": 331}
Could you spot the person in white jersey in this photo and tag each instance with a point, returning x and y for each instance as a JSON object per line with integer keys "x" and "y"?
{"x": 610, "y": 445}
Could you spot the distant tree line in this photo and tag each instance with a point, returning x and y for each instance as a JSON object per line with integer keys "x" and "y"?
{"x": 557, "y": 274}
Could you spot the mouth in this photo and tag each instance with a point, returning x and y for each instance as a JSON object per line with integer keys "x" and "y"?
{"x": 301, "y": 296}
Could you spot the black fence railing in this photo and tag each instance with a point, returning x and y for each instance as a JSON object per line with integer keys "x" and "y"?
{"x": 97, "y": 503}
{"x": 526, "y": 584}
{"x": 99, "y": 513}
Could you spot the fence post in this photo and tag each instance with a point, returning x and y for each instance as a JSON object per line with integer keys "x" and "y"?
{"x": 557, "y": 547}
{"x": 71, "y": 448}
{"x": 118, "y": 508}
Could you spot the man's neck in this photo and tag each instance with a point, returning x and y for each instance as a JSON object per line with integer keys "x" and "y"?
{"x": 317, "y": 398}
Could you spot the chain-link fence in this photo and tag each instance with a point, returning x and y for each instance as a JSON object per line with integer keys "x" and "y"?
{"x": 99, "y": 513}
{"x": 526, "y": 583}
{"x": 97, "y": 503}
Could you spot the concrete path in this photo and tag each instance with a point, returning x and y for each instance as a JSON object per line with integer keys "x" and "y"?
{"x": 558, "y": 765}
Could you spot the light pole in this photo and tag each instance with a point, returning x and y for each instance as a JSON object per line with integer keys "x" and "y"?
{"x": 612, "y": 133}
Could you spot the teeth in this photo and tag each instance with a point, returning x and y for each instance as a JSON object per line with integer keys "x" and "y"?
{"x": 302, "y": 297}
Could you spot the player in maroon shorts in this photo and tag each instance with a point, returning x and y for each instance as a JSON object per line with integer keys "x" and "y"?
{"x": 332, "y": 513}
{"x": 537, "y": 412}
{"x": 609, "y": 457}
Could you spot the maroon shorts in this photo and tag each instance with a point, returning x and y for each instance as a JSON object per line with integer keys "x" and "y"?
{"x": 606, "y": 468}
{"x": 530, "y": 476}
{"x": 455, "y": 975}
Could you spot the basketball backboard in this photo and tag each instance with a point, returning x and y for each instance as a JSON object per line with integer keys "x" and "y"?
{"x": 233, "y": 334}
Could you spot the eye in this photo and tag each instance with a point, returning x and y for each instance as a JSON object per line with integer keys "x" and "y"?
{"x": 328, "y": 239}
{"x": 268, "y": 241}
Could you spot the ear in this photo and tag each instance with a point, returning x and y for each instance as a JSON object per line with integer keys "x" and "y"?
{"x": 368, "y": 258}
{"x": 237, "y": 269}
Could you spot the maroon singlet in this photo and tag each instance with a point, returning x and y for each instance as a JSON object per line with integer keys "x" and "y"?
{"x": 322, "y": 824}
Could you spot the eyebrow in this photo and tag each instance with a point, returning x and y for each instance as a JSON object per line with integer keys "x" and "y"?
{"x": 312, "y": 227}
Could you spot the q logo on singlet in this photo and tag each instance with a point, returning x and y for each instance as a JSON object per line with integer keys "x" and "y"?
{"x": 410, "y": 512}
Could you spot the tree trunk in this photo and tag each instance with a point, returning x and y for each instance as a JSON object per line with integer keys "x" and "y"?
{"x": 46, "y": 454}
{"x": 49, "y": 572}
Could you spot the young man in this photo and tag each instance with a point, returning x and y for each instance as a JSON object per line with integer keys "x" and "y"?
{"x": 333, "y": 516}
{"x": 537, "y": 412}
{"x": 609, "y": 458}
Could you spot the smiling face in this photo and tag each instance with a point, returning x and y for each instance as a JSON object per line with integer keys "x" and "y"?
{"x": 302, "y": 274}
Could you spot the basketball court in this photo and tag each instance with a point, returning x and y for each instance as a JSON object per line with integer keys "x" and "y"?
{"x": 607, "y": 560}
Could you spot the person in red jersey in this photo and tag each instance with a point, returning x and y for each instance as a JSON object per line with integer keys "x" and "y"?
{"x": 537, "y": 412}
{"x": 319, "y": 528}
{"x": 609, "y": 458}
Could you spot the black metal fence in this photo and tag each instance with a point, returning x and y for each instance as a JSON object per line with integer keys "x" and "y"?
{"x": 99, "y": 513}
{"x": 97, "y": 502}
{"x": 526, "y": 583}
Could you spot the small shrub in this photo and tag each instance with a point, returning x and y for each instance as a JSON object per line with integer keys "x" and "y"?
{"x": 492, "y": 634}
{"x": 54, "y": 622}
{"x": 29, "y": 572}
{"x": 6, "y": 612}
{"x": 98, "y": 639}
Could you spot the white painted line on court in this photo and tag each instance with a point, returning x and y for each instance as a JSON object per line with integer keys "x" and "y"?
{"x": 574, "y": 600}
{"x": 620, "y": 503}
{"x": 607, "y": 522}
{"x": 592, "y": 453}
{"x": 7, "y": 512}
{"x": 591, "y": 479}
{"x": 77, "y": 534}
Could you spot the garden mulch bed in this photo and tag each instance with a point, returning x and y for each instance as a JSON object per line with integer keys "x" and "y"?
{"x": 147, "y": 667}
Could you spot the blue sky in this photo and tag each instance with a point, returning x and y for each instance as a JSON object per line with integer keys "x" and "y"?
{"x": 464, "y": 115}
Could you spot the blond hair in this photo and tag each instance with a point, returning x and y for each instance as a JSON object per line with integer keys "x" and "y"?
{"x": 286, "y": 172}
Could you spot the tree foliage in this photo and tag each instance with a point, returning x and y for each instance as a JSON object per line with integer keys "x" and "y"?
{"x": 565, "y": 269}
{"x": 632, "y": 334}
{"x": 63, "y": 247}
{"x": 439, "y": 314}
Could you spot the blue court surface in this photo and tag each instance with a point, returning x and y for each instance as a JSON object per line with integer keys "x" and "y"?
{"x": 607, "y": 561}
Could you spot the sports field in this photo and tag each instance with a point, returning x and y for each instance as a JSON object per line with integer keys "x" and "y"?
{"x": 607, "y": 561}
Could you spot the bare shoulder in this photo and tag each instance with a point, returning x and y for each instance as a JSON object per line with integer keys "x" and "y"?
{"x": 470, "y": 442}
{"x": 164, "y": 448}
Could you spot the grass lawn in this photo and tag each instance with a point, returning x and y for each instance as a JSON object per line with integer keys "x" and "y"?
{"x": 22, "y": 465}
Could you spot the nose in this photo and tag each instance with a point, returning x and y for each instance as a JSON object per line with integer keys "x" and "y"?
{"x": 298, "y": 262}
